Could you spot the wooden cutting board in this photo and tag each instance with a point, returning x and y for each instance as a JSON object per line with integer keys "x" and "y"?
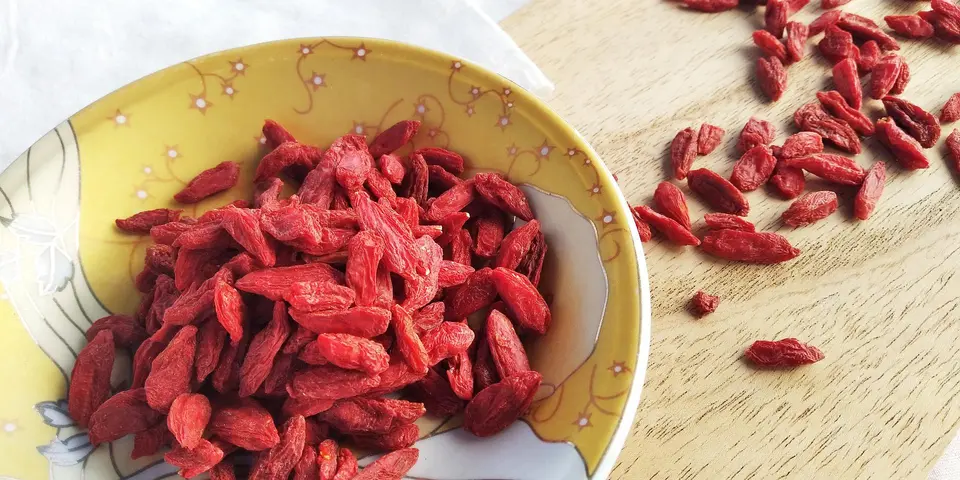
{"x": 880, "y": 297}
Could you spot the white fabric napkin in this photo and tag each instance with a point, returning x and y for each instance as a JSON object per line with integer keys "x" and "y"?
{"x": 57, "y": 56}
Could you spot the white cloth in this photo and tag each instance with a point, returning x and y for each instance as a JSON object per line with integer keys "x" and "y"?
{"x": 57, "y": 56}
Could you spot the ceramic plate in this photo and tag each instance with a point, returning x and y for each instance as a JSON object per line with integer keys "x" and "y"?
{"x": 64, "y": 265}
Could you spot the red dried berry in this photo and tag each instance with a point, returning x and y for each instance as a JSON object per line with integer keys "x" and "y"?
{"x": 262, "y": 350}
{"x": 884, "y": 75}
{"x": 396, "y": 439}
{"x": 529, "y": 308}
{"x": 710, "y": 6}
{"x": 671, "y": 202}
{"x": 194, "y": 461}
{"x": 749, "y": 247}
{"x": 371, "y": 415}
{"x": 392, "y": 465}
{"x": 951, "y": 109}
{"x": 823, "y": 21}
{"x": 279, "y": 461}
{"x": 836, "y": 44}
{"x": 835, "y": 103}
{"x": 788, "y": 181}
{"x": 172, "y": 370}
{"x": 643, "y": 228}
{"x": 673, "y": 230}
{"x": 148, "y": 442}
{"x": 346, "y": 351}
{"x": 772, "y": 77}
{"x": 477, "y": 292}
{"x": 288, "y": 156}
{"x": 906, "y": 149}
{"x": 785, "y": 353}
{"x": 869, "y": 57}
{"x": 307, "y": 467}
{"x": 867, "y": 29}
{"x": 437, "y": 395}
{"x": 703, "y": 303}
{"x": 812, "y": 118}
{"x": 497, "y": 406}
{"x": 326, "y": 459}
{"x": 800, "y": 144}
{"x": 917, "y": 122}
{"x": 90, "y": 378}
{"x": 722, "y": 221}
{"x": 449, "y": 161}
{"x": 366, "y": 322}
{"x": 142, "y": 222}
{"x": 909, "y": 26}
{"x": 210, "y": 182}
{"x": 830, "y": 167}
{"x": 769, "y": 44}
{"x": 504, "y": 195}
{"x": 775, "y": 17}
{"x": 447, "y": 340}
{"x": 272, "y": 283}
{"x": 246, "y": 424}
{"x": 346, "y": 465}
{"x": 953, "y": 149}
{"x": 797, "y": 35}
{"x": 127, "y": 333}
{"x": 753, "y": 169}
{"x": 230, "y": 309}
{"x": 847, "y": 81}
{"x": 460, "y": 375}
{"x": 189, "y": 415}
{"x": 505, "y": 347}
{"x": 709, "y": 138}
{"x": 210, "y": 341}
{"x": 828, "y": 4}
{"x": 755, "y": 132}
{"x": 717, "y": 192}
{"x": 870, "y": 191}
{"x": 810, "y": 208}
{"x": 275, "y": 135}
{"x": 123, "y": 414}
{"x": 683, "y": 150}
{"x": 516, "y": 245}
{"x": 394, "y": 137}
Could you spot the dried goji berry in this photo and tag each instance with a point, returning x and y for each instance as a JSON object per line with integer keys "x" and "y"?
{"x": 371, "y": 415}
{"x": 346, "y": 465}
{"x": 437, "y": 395}
{"x": 721, "y": 221}
{"x": 460, "y": 375}
{"x": 671, "y": 202}
{"x": 275, "y": 134}
{"x": 392, "y": 168}
{"x": 273, "y": 283}
{"x": 711, "y": 6}
{"x": 772, "y": 77}
{"x": 306, "y": 406}
{"x": 828, "y": 4}
{"x": 230, "y": 309}
{"x": 289, "y": 155}
{"x": 280, "y": 373}
{"x": 909, "y": 26}
{"x": 812, "y": 118}
{"x": 210, "y": 182}
{"x": 830, "y": 167}
{"x": 516, "y": 244}
{"x": 127, "y": 333}
{"x": 401, "y": 437}
{"x": 484, "y": 371}
{"x": 194, "y": 461}
{"x": 810, "y": 208}
{"x": 753, "y": 169}
{"x": 399, "y": 254}
{"x": 143, "y": 360}
{"x": 417, "y": 183}
{"x": 505, "y": 347}
{"x": 788, "y": 352}
{"x": 123, "y": 414}
{"x": 755, "y": 132}
{"x": 453, "y": 200}
{"x": 394, "y": 137}
{"x": 917, "y": 122}
{"x": 453, "y": 274}
{"x": 189, "y": 415}
{"x": 847, "y": 81}
{"x": 902, "y": 80}
{"x": 428, "y": 317}
{"x": 906, "y": 149}
{"x": 869, "y": 57}
{"x": 246, "y": 424}
{"x": 327, "y": 459}
{"x": 223, "y": 471}
{"x": 318, "y": 186}
{"x": 796, "y": 5}
{"x": 823, "y": 21}
{"x": 836, "y": 44}
{"x": 505, "y": 195}
{"x": 172, "y": 370}
{"x": 770, "y": 45}
{"x": 450, "y": 161}
{"x": 703, "y": 303}
{"x": 717, "y": 192}
{"x": 278, "y": 462}
{"x": 263, "y": 348}
{"x": 392, "y": 465}
{"x": 643, "y": 228}
{"x": 227, "y": 374}
{"x": 800, "y": 144}
{"x": 953, "y": 149}
{"x": 797, "y": 34}
{"x": 683, "y": 150}
{"x": 489, "y": 232}
{"x": 148, "y": 442}
{"x": 210, "y": 340}
{"x": 709, "y": 138}
{"x": 307, "y": 467}
{"x": 835, "y": 103}
{"x": 867, "y": 29}
{"x": 346, "y": 351}
{"x": 330, "y": 383}
{"x": 477, "y": 292}
{"x": 749, "y": 247}
{"x": 90, "y": 378}
{"x": 497, "y": 406}
{"x": 366, "y": 322}
{"x": 951, "y": 109}
{"x": 408, "y": 342}
{"x": 884, "y": 75}
{"x": 787, "y": 181}
{"x": 527, "y": 304}
{"x": 142, "y": 222}
{"x": 447, "y": 340}
{"x": 673, "y": 230}
{"x": 945, "y": 26}
{"x": 870, "y": 191}
{"x": 775, "y": 17}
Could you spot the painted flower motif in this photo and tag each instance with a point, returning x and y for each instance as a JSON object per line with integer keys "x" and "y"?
{"x": 200, "y": 103}
{"x": 305, "y": 49}
{"x": 595, "y": 189}
{"x": 583, "y": 421}
{"x": 69, "y": 451}
{"x": 361, "y": 52}
{"x": 239, "y": 67}
{"x": 572, "y": 152}
{"x": 262, "y": 140}
{"x": 456, "y": 65}
{"x": 470, "y": 110}
{"x": 433, "y": 132}
{"x": 171, "y": 152}
{"x": 475, "y": 92}
{"x": 358, "y": 128}
{"x": 509, "y": 104}
{"x": 55, "y": 414}
{"x": 606, "y": 218}
{"x": 618, "y": 368}
{"x": 52, "y": 264}
{"x": 512, "y": 150}
{"x": 316, "y": 80}
{"x": 228, "y": 90}
{"x": 140, "y": 193}
{"x": 543, "y": 151}
{"x": 120, "y": 119}
{"x": 420, "y": 109}
{"x": 507, "y": 91}
{"x": 503, "y": 121}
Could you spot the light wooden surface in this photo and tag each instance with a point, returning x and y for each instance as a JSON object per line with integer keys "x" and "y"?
{"x": 879, "y": 297}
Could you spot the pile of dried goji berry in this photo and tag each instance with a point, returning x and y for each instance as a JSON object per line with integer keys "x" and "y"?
{"x": 280, "y": 326}
{"x": 855, "y": 46}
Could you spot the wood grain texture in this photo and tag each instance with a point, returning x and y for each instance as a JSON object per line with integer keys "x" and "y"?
{"x": 878, "y": 297}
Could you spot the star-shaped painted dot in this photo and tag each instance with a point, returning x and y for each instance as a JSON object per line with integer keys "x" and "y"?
{"x": 470, "y": 110}
{"x": 507, "y": 91}
{"x": 509, "y": 104}
{"x": 305, "y": 49}
{"x": 147, "y": 170}
{"x": 595, "y": 189}
{"x": 474, "y": 91}
{"x": 120, "y": 119}
{"x": 200, "y": 102}
{"x": 618, "y": 368}
{"x": 420, "y": 109}
{"x": 456, "y": 65}
{"x": 572, "y": 152}
{"x": 171, "y": 152}
{"x": 543, "y": 151}
{"x": 586, "y": 161}
{"x": 503, "y": 121}
{"x": 361, "y": 52}
{"x": 228, "y": 90}
{"x": 140, "y": 193}
{"x": 239, "y": 67}
{"x": 583, "y": 421}
{"x": 606, "y": 218}
{"x": 512, "y": 150}
{"x": 317, "y": 80}
{"x": 358, "y": 128}
{"x": 433, "y": 132}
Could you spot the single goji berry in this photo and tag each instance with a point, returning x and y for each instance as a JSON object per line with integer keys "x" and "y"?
{"x": 721, "y": 221}
{"x": 262, "y": 350}
{"x": 703, "y": 303}
{"x": 869, "y": 57}
{"x": 318, "y": 186}
{"x": 391, "y": 139}
{"x": 392, "y": 465}
{"x": 711, "y": 6}
{"x": 194, "y": 461}
{"x": 749, "y": 247}
{"x": 672, "y": 229}
{"x": 823, "y": 21}
{"x": 417, "y": 183}
{"x": 835, "y": 103}
{"x": 429, "y": 317}
{"x": 643, "y": 228}
{"x": 408, "y": 342}
{"x": 830, "y": 167}
{"x": 274, "y": 134}
{"x": 142, "y": 222}
{"x": 772, "y": 77}
{"x": 307, "y": 467}
{"x": 327, "y": 382}
{"x": 392, "y": 168}
{"x": 870, "y": 191}
{"x": 477, "y": 292}
{"x": 148, "y": 442}
{"x": 907, "y": 150}
{"x": 172, "y": 370}
{"x": 828, "y": 4}
{"x": 718, "y": 192}
{"x": 450, "y": 161}
{"x": 497, "y": 406}
{"x": 210, "y": 340}
{"x": 775, "y": 17}
{"x": 709, "y": 138}
{"x": 884, "y": 75}
{"x": 326, "y": 459}
{"x": 90, "y": 378}
{"x": 421, "y": 289}
{"x": 836, "y": 44}
{"x": 306, "y": 406}
{"x": 447, "y": 340}
{"x": 123, "y": 414}
{"x": 769, "y": 44}
{"x": 310, "y": 296}
{"x": 287, "y": 156}
{"x": 946, "y": 27}
{"x": 244, "y": 423}
{"x": 366, "y": 322}
{"x": 909, "y": 26}
{"x": 755, "y": 132}
{"x": 227, "y": 374}
{"x": 371, "y": 415}
{"x": 797, "y": 35}
{"x": 683, "y": 150}
{"x": 453, "y": 273}
{"x": 453, "y": 200}
{"x": 278, "y": 462}
{"x": 346, "y": 465}
{"x": 810, "y": 208}
{"x": 812, "y": 118}
{"x": 505, "y": 348}
{"x": 346, "y": 351}
{"x": 230, "y": 309}
{"x": 127, "y": 333}
{"x": 189, "y": 415}
{"x": 516, "y": 244}
{"x": 503, "y": 194}
{"x": 529, "y": 308}
{"x": 867, "y": 29}
{"x": 460, "y": 375}
{"x": 951, "y": 109}
{"x": 917, "y": 122}
{"x": 484, "y": 370}
{"x": 401, "y": 437}
{"x": 671, "y": 202}
{"x": 953, "y": 149}
{"x": 800, "y": 144}
{"x": 785, "y": 353}
{"x": 753, "y": 169}
{"x": 902, "y": 80}
{"x": 436, "y": 394}
{"x": 847, "y": 81}
{"x": 210, "y": 182}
